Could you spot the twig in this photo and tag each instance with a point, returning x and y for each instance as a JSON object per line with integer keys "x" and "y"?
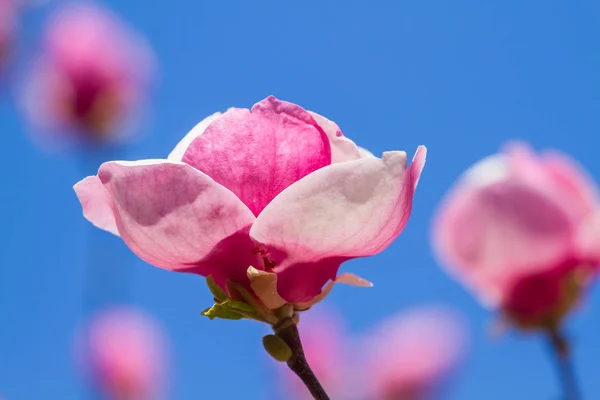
{"x": 288, "y": 331}
{"x": 561, "y": 353}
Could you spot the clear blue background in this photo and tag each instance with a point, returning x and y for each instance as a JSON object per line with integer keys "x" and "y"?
{"x": 458, "y": 76}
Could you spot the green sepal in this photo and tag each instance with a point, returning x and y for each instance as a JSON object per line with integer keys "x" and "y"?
{"x": 244, "y": 309}
{"x": 218, "y": 310}
{"x": 232, "y": 309}
{"x": 215, "y": 289}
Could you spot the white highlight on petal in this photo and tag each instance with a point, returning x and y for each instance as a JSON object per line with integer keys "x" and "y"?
{"x": 488, "y": 171}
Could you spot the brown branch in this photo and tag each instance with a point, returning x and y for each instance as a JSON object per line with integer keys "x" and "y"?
{"x": 288, "y": 332}
{"x": 560, "y": 350}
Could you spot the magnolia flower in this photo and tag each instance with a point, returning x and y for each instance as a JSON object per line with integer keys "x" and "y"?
{"x": 410, "y": 355}
{"x": 521, "y": 230}
{"x": 274, "y": 198}
{"x": 123, "y": 352}
{"x": 92, "y": 74}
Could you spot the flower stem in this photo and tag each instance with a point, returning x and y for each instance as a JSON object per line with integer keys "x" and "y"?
{"x": 559, "y": 347}
{"x": 288, "y": 331}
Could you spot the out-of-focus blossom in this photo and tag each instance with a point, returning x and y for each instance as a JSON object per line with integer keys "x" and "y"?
{"x": 326, "y": 349}
{"x": 407, "y": 357}
{"x": 8, "y": 24}
{"x": 90, "y": 79}
{"x": 522, "y": 230}
{"x": 277, "y": 188}
{"x": 411, "y": 355}
{"x": 123, "y": 352}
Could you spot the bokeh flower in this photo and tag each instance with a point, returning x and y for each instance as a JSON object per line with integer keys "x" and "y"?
{"x": 520, "y": 229}
{"x": 90, "y": 79}
{"x": 123, "y": 353}
{"x": 411, "y": 355}
{"x": 277, "y": 188}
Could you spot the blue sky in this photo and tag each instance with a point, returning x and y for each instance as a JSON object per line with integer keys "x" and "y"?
{"x": 461, "y": 77}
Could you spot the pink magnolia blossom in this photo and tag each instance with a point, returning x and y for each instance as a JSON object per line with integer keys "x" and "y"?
{"x": 410, "y": 355}
{"x": 91, "y": 76}
{"x": 123, "y": 352}
{"x": 521, "y": 230}
{"x": 277, "y": 188}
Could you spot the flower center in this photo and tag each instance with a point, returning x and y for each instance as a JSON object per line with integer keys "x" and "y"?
{"x": 268, "y": 263}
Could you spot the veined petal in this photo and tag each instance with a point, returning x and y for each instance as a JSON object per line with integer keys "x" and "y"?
{"x": 258, "y": 153}
{"x": 96, "y": 203}
{"x": 351, "y": 209}
{"x": 175, "y": 217}
{"x": 179, "y": 150}
{"x": 342, "y": 148}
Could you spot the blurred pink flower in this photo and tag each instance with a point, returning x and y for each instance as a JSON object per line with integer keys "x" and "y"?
{"x": 407, "y": 357}
{"x": 410, "y": 355}
{"x": 277, "y": 187}
{"x": 522, "y": 231}
{"x": 92, "y": 75}
{"x": 123, "y": 351}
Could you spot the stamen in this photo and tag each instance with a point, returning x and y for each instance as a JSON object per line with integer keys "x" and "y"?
{"x": 269, "y": 265}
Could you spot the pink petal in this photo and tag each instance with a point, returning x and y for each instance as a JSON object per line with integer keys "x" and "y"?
{"x": 579, "y": 191}
{"x": 557, "y": 176}
{"x": 179, "y": 150}
{"x": 493, "y": 233}
{"x": 175, "y": 217}
{"x": 570, "y": 187}
{"x": 342, "y": 148}
{"x": 364, "y": 152}
{"x": 346, "y": 278}
{"x": 96, "y": 203}
{"x": 351, "y": 209}
{"x": 256, "y": 154}
{"x": 588, "y": 239}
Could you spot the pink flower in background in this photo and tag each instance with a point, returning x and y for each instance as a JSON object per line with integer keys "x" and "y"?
{"x": 326, "y": 349}
{"x": 276, "y": 187}
{"x": 123, "y": 352}
{"x": 410, "y": 355}
{"x": 92, "y": 75}
{"x": 522, "y": 231}
{"x": 407, "y": 357}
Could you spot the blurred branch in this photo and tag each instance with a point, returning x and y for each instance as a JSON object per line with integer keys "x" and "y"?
{"x": 559, "y": 347}
{"x": 288, "y": 331}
